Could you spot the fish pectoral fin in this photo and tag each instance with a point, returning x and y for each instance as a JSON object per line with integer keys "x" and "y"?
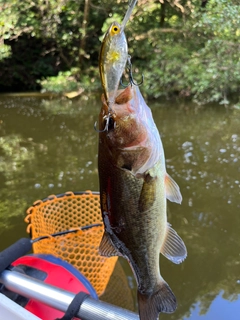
{"x": 106, "y": 247}
{"x": 172, "y": 190}
{"x": 173, "y": 247}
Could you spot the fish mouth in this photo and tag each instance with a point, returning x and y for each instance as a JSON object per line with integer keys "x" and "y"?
{"x": 121, "y": 101}
{"x": 110, "y": 123}
{"x": 121, "y": 108}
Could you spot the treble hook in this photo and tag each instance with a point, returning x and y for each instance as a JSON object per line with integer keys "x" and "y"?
{"x": 97, "y": 130}
{"x": 107, "y": 125}
{"x": 130, "y": 75}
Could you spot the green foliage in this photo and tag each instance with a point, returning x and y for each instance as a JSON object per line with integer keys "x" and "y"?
{"x": 5, "y": 51}
{"x": 64, "y": 81}
{"x": 181, "y": 48}
{"x": 219, "y": 73}
{"x": 67, "y": 81}
{"x": 200, "y": 58}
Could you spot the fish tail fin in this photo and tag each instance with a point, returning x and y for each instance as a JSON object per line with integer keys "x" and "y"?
{"x": 162, "y": 300}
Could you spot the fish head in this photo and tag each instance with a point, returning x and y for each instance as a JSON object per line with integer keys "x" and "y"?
{"x": 128, "y": 132}
{"x": 123, "y": 128}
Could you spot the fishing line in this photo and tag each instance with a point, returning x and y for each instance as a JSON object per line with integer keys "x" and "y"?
{"x": 131, "y": 6}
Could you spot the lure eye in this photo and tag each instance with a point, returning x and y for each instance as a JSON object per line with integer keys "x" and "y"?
{"x": 115, "y": 30}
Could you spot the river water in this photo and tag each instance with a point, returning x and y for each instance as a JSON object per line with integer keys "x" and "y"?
{"x": 50, "y": 146}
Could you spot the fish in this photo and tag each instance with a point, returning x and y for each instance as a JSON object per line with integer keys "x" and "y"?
{"x": 113, "y": 56}
{"x": 134, "y": 188}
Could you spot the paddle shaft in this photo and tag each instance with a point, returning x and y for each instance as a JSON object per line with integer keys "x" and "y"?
{"x": 60, "y": 299}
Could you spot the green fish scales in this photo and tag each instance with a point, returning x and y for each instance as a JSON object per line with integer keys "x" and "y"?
{"x": 134, "y": 186}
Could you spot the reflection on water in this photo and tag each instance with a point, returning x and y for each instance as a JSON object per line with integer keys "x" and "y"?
{"x": 220, "y": 309}
{"x": 49, "y": 147}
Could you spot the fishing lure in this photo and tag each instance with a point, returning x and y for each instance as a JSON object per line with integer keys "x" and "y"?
{"x": 113, "y": 56}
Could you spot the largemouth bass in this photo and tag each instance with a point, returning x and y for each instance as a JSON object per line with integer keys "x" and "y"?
{"x": 134, "y": 186}
{"x": 113, "y": 56}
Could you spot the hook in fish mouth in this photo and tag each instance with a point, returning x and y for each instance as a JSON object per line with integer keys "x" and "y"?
{"x": 130, "y": 75}
{"x": 109, "y": 125}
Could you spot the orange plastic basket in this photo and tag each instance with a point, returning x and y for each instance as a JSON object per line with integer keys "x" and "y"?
{"x": 66, "y": 212}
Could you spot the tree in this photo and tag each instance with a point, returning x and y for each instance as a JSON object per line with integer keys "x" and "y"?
{"x": 191, "y": 48}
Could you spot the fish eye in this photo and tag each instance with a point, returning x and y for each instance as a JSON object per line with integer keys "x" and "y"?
{"x": 115, "y": 30}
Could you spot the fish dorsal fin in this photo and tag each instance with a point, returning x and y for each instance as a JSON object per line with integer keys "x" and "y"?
{"x": 106, "y": 247}
{"x": 172, "y": 190}
{"x": 173, "y": 247}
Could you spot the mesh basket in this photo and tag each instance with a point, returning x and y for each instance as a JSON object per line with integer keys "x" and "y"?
{"x": 66, "y": 212}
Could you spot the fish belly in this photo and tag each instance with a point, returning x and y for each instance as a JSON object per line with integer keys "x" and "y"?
{"x": 134, "y": 214}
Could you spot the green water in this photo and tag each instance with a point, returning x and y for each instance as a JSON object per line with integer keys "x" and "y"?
{"x": 50, "y": 146}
